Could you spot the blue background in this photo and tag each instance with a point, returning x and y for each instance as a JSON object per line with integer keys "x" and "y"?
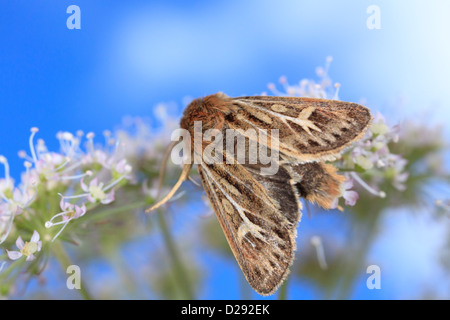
{"x": 131, "y": 55}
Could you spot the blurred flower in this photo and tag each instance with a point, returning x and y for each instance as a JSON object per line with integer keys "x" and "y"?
{"x": 49, "y": 173}
{"x": 323, "y": 89}
{"x": 14, "y": 200}
{"x": 316, "y": 241}
{"x": 6, "y": 221}
{"x": 372, "y": 156}
{"x": 7, "y": 183}
{"x": 96, "y": 192}
{"x": 26, "y": 249}
{"x": 70, "y": 212}
{"x": 350, "y": 196}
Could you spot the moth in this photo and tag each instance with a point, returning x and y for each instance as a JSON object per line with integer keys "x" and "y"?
{"x": 259, "y": 212}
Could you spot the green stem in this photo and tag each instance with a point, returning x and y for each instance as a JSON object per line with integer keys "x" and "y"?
{"x": 64, "y": 259}
{"x": 352, "y": 267}
{"x": 127, "y": 278}
{"x": 181, "y": 275}
{"x": 283, "y": 295}
{"x": 111, "y": 211}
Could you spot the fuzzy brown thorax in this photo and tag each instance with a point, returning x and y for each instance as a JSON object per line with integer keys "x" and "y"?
{"x": 210, "y": 110}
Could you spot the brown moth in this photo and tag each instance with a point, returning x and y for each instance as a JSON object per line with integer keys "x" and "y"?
{"x": 259, "y": 213}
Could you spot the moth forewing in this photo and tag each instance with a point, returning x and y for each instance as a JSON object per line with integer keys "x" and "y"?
{"x": 213, "y": 151}
{"x": 260, "y": 236}
{"x": 236, "y": 143}
{"x": 309, "y": 129}
{"x": 258, "y": 213}
{"x": 246, "y": 148}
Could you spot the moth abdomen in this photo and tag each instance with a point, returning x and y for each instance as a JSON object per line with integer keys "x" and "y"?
{"x": 317, "y": 182}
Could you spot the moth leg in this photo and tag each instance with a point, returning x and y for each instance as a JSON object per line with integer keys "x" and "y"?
{"x": 184, "y": 176}
{"x": 163, "y": 166}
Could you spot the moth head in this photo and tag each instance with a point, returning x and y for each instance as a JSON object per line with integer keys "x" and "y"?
{"x": 210, "y": 110}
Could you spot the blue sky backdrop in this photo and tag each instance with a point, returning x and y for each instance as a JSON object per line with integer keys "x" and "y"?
{"x": 131, "y": 55}
{"x": 128, "y": 56}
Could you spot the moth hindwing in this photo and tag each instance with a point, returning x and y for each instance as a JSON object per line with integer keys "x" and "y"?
{"x": 259, "y": 212}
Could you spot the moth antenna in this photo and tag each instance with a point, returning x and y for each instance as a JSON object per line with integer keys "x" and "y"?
{"x": 163, "y": 167}
{"x": 184, "y": 175}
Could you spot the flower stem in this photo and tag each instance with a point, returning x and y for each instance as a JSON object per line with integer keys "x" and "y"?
{"x": 181, "y": 275}
{"x": 64, "y": 259}
{"x": 107, "y": 212}
{"x": 283, "y": 295}
{"x": 380, "y": 194}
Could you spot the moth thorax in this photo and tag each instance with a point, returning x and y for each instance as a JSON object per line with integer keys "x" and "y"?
{"x": 210, "y": 111}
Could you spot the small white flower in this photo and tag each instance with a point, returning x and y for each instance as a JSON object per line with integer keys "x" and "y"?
{"x": 96, "y": 192}
{"x": 350, "y": 196}
{"x": 27, "y": 249}
{"x": 364, "y": 162}
{"x": 379, "y": 128}
{"x": 69, "y": 212}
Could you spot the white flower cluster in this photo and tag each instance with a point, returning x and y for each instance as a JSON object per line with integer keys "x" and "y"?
{"x": 82, "y": 177}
